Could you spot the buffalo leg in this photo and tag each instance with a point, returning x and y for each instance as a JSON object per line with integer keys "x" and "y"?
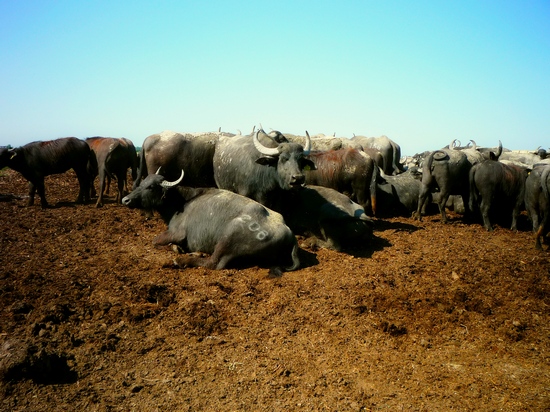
{"x": 99, "y": 202}
{"x": 32, "y": 192}
{"x": 167, "y": 237}
{"x": 515, "y": 213}
{"x": 121, "y": 185}
{"x": 484, "y": 209}
{"x": 41, "y": 189}
{"x": 443, "y": 198}
{"x": 219, "y": 259}
{"x": 422, "y": 198}
{"x": 84, "y": 184}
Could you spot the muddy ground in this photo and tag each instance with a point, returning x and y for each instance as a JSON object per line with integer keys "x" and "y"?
{"x": 427, "y": 317}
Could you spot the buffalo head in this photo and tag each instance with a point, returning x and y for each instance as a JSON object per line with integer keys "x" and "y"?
{"x": 150, "y": 193}
{"x": 288, "y": 159}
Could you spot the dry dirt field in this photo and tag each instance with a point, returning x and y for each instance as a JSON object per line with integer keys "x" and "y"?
{"x": 428, "y": 317}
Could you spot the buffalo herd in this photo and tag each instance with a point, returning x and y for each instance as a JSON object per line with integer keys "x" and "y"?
{"x": 239, "y": 200}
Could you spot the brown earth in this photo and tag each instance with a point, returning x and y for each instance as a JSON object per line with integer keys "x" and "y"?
{"x": 427, "y": 317}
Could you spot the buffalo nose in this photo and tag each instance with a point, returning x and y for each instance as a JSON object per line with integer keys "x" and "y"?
{"x": 125, "y": 200}
{"x": 298, "y": 179}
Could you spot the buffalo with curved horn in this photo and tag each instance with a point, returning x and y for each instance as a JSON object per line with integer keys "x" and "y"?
{"x": 261, "y": 170}
{"x": 232, "y": 229}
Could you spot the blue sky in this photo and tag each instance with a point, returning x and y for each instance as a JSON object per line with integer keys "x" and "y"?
{"x": 421, "y": 72}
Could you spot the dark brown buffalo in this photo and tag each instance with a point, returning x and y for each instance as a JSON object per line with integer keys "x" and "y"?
{"x": 497, "y": 188}
{"x": 39, "y": 159}
{"x": 348, "y": 171}
{"x": 114, "y": 157}
{"x": 173, "y": 152}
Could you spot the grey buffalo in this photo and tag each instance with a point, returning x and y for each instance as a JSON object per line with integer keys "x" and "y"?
{"x": 497, "y": 187}
{"x": 244, "y": 165}
{"x": 537, "y": 200}
{"x": 446, "y": 170}
{"x": 232, "y": 229}
{"x": 398, "y": 195}
{"x": 390, "y": 151}
{"x": 37, "y": 160}
{"x": 331, "y": 219}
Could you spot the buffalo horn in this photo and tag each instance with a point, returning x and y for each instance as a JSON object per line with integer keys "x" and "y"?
{"x": 452, "y": 144}
{"x": 268, "y": 151}
{"x": 166, "y": 183}
{"x": 499, "y": 150}
{"x": 158, "y": 170}
{"x": 474, "y": 143}
{"x": 307, "y": 147}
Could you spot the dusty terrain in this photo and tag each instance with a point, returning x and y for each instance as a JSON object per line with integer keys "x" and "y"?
{"x": 427, "y": 317}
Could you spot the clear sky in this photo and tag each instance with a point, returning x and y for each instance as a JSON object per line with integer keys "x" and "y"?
{"x": 420, "y": 72}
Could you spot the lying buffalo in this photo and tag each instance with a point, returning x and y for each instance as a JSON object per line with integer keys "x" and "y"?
{"x": 331, "y": 219}
{"x": 233, "y": 229}
{"x": 37, "y": 160}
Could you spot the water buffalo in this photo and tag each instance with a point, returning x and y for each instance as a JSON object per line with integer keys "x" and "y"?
{"x": 447, "y": 170}
{"x": 329, "y": 217}
{"x": 398, "y": 195}
{"x": 244, "y": 165}
{"x": 524, "y": 158}
{"x": 114, "y": 157}
{"x": 537, "y": 200}
{"x": 175, "y": 152}
{"x": 321, "y": 142}
{"x": 497, "y": 187}
{"x": 348, "y": 171}
{"x": 390, "y": 151}
{"x": 233, "y": 229}
{"x": 39, "y": 159}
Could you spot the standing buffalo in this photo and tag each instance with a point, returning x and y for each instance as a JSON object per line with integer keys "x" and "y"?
{"x": 244, "y": 165}
{"x": 331, "y": 218}
{"x": 390, "y": 151}
{"x": 348, "y": 171}
{"x": 497, "y": 187}
{"x": 446, "y": 170}
{"x": 114, "y": 157}
{"x": 537, "y": 200}
{"x": 37, "y": 160}
{"x": 233, "y": 229}
{"x": 174, "y": 152}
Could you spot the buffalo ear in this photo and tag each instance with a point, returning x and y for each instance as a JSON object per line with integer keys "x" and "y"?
{"x": 267, "y": 160}
{"x": 308, "y": 165}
